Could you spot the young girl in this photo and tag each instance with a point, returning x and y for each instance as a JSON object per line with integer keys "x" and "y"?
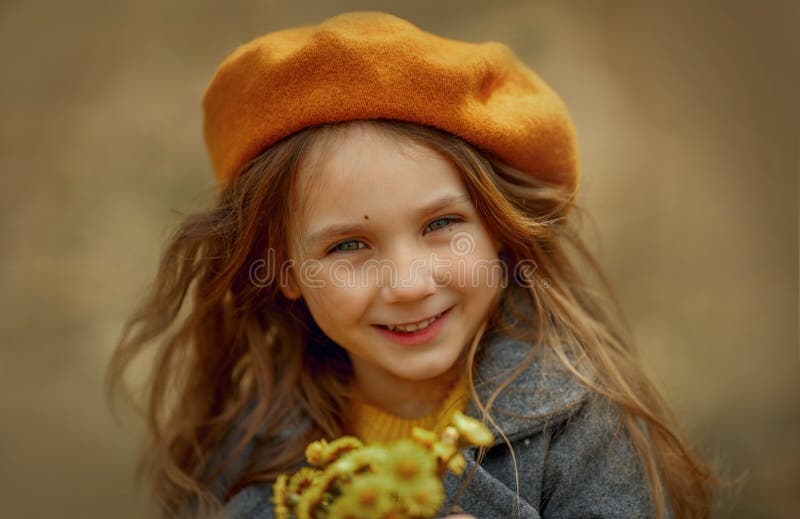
{"x": 394, "y": 239}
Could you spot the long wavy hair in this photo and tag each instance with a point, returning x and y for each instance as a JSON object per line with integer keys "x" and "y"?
{"x": 242, "y": 365}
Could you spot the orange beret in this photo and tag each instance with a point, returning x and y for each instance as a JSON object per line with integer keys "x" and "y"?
{"x": 372, "y": 65}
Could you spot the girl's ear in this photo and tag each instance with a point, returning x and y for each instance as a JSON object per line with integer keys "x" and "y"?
{"x": 289, "y": 286}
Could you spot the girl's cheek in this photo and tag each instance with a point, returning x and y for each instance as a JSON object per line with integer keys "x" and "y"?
{"x": 344, "y": 294}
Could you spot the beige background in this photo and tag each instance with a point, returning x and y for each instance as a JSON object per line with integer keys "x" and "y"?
{"x": 688, "y": 120}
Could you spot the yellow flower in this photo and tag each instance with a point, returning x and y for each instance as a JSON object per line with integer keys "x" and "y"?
{"x": 344, "y": 466}
{"x": 444, "y": 452}
{"x": 316, "y": 495}
{"x": 423, "y": 497}
{"x": 315, "y": 452}
{"x": 414, "y": 478}
{"x": 363, "y": 460}
{"x": 301, "y": 480}
{"x": 424, "y": 437}
{"x": 397, "y": 481}
{"x": 409, "y": 461}
{"x": 320, "y": 453}
{"x": 370, "y": 455}
{"x": 457, "y": 464}
{"x": 368, "y": 496}
{"x": 309, "y": 502}
{"x": 450, "y": 436}
{"x": 279, "y": 491}
{"x": 341, "y": 446}
{"x": 472, "y": 430}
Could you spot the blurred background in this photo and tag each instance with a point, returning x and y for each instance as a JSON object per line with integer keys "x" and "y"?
{"x": 687, "y": 115}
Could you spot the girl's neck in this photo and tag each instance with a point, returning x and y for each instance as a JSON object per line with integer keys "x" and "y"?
{"x": 405, "y": 398}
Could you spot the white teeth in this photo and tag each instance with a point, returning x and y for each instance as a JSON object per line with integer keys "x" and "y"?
{"x": 414, "y": 327}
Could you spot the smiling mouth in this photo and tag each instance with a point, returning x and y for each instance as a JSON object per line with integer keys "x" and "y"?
{"x": 408, "y": 328}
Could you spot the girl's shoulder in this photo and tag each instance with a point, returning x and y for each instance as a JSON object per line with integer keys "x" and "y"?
{"x": 572, "y": 451}
{"x": 543, "y": 392}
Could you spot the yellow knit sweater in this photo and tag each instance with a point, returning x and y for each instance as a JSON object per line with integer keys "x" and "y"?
{"x": 374, "y": 425}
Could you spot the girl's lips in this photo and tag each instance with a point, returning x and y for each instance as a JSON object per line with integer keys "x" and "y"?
{"x": 418, "y": 336}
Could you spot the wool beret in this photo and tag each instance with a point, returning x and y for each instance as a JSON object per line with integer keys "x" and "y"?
{"x": 373, "y": 65}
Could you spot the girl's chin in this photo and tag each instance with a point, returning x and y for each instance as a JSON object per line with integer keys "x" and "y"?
{"x": 440, "y": 373}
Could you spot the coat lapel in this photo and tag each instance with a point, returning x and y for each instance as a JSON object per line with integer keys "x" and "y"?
{"x": 544, "y": 392}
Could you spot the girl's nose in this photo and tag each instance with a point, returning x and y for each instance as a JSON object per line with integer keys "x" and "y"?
{"x": 410, "y": 278}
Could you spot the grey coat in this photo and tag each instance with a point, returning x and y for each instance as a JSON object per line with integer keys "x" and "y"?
{"x": 573, "y": 461}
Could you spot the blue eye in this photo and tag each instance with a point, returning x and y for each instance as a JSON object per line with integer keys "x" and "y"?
{"x": 441, "y": 223}
{"x": 355, "y": 245}
{"x": 342, "y": 247}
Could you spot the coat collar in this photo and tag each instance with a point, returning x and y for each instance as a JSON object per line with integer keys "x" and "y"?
{"x": 543, "y": 392}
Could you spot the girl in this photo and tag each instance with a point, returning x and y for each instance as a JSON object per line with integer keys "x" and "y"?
{"x": 394, "y": 239}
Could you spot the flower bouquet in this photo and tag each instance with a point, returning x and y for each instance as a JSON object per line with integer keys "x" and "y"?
{"x": 402, "y": 480}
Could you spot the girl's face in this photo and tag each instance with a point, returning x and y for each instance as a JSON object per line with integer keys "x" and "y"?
{"x": 388, "y": 236}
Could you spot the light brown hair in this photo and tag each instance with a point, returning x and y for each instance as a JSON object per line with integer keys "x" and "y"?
{"x": 247, "y": 364}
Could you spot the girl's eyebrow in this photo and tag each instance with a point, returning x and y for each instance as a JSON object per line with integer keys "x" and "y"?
{"x": 335, "y": 230}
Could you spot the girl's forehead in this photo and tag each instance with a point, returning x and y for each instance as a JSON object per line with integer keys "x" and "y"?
{"x": 362, "y": 168}
{"x": 362, "y": 159}
{"x": 355, "y": 146}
